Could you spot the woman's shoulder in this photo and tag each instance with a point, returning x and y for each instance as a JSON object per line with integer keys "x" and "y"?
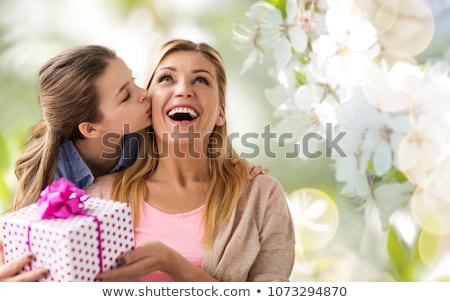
{"x": 264, "y": 190}
{"x": 263, "y": 198}
{"x": 265, "y": 183}
{"x": 101, "y": 187}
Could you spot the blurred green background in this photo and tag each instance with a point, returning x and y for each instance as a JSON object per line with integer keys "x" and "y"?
{"x": 33, "y": 31}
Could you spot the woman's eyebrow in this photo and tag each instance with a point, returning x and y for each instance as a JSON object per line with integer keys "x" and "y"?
{"x": 167, "y": 67}
{"x": 202, "y": 70}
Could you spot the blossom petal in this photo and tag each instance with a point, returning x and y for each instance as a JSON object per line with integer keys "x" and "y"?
{"x": 382, "y": 158}
{"x": 249, "y": 61}
{"x": 298, "y": 38}
{"x": 265, "y": 13}
{"x": 291, "y": 10}
{"x": 324, "y": 46}
{"x": 282, "y": 53}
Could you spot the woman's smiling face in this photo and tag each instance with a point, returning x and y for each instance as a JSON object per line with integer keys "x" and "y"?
{"x": 185, "y": 96}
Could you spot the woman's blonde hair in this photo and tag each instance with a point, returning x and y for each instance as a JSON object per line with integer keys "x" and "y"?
{"x": 67, "y": 97}
{"x": 226, "y": 181}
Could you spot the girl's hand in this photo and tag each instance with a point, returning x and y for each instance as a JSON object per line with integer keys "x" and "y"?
{"x": 11, "y": 271}
{"x": 253, "y": 170}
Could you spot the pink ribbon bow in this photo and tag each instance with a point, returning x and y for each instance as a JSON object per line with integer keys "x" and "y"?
{"x": 61, "y": 199}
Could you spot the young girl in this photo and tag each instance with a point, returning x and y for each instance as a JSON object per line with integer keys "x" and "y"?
{"x": 91, "y": 112}
{"x": 89, "y": 103}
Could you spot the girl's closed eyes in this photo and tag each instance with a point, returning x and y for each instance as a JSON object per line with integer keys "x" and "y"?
{"x": 127, "y": 97}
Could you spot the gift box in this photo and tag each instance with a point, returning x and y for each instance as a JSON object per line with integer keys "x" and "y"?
{"x": 73, "y": 235}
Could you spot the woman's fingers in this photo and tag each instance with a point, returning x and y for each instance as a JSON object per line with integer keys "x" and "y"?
{"x": 136, "y": 263}
{"x": 129, "y": 272}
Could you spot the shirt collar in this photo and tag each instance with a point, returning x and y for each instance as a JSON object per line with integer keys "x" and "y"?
{"x": 72, "y": 166}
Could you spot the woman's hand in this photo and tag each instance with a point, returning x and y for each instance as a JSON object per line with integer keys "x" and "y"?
{"x": 137, "y": 263}
{"x": 11, "y": 271}
{"x": 153, "y": 256}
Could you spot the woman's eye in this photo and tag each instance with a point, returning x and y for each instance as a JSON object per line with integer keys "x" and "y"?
{"x": 201, "y": 80}
{"x": 165, "y": 78}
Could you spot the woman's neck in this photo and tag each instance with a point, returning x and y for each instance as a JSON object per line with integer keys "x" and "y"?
{"x": 98, "y": 156}
{"x": 185, "y": 179}
{"x": 181, "y": 163}
{"x": 182, "y": 171}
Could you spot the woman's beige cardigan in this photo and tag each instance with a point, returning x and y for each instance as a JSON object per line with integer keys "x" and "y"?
{"x": 257, "y": 244}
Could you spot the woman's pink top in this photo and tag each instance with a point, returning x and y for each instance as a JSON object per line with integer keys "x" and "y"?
{"x": 182, "y": 232}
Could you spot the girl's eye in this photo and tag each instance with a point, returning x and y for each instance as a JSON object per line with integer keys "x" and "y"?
{"x": 126, "y": 98}
{"x": 202, "y": 80}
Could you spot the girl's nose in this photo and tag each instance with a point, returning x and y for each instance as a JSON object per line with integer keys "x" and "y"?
{"x": 144, "y": 97}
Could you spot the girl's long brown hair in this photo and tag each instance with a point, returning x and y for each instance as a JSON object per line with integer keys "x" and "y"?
{"x": 67, "y": 97}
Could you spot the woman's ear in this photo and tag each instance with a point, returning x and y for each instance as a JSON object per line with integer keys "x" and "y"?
{"x": 88, "y": 130}
{"x": 221, "y": 116}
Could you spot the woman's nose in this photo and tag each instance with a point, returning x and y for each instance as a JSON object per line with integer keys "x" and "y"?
{"x": 184, "y": 89}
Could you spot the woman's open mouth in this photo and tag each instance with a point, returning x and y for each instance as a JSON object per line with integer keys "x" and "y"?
{"x": 182, "y": 114}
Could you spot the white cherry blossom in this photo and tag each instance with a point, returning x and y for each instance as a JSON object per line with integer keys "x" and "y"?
{"x": 349, "y": 46}
{"x": 272, "y": 32}
{"x": 392, "y": 90}
{"x": 333, "y": 66}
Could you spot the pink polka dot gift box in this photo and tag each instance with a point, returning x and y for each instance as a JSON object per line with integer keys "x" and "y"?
{"x": 73, "y": 235}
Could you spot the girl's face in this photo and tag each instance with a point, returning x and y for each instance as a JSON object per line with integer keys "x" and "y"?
{"x": 125, "y": 107}
{"x": 185, "y": 97}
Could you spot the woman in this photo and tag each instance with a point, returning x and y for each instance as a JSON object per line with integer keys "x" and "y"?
{"x": 197, "y": 218}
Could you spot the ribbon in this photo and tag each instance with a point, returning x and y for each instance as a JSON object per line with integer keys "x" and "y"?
{"x": 62, "y": 199}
